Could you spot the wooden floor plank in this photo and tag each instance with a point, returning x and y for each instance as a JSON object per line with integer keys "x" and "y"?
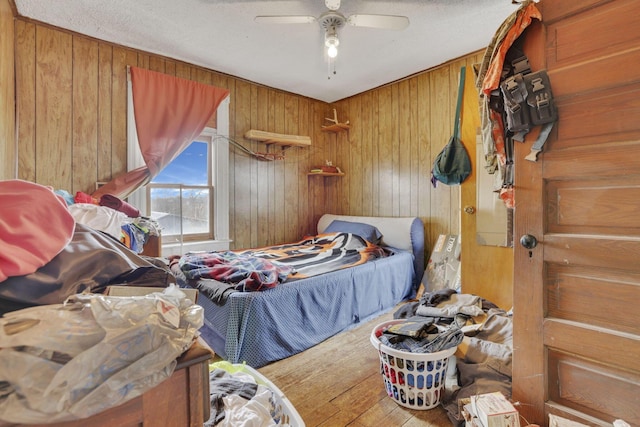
{"x": 338, "y": 383}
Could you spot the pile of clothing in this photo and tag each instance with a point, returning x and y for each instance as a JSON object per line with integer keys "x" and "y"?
{"x": 113, "y": 216}
{"x": 484, "y": 354}
{"x": 239, "y": 395}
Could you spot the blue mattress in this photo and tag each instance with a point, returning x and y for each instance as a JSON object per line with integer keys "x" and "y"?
{"x": 262, "y": 327}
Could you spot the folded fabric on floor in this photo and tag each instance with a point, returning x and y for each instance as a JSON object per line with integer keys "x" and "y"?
{"x": 484, "y": 356}
{"x": 486, "y": 364}
{"x": 470, "y": 305}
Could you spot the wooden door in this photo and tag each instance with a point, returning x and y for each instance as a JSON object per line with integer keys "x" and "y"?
{"x": 577, "y": 294}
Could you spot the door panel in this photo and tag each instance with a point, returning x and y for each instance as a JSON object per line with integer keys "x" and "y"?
{"x": 597, "y": 206}
{"x": 576, "y": 295}
{"x": 594, "y": 389}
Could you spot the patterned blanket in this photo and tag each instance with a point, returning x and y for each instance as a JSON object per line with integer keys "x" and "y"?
{"x": 264, "y": 268}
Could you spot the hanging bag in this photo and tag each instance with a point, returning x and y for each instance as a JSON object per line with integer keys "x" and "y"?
{"x": 453, "y": 165}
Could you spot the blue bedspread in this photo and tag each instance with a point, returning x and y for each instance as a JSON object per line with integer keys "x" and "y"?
{"x": 262, "y": 327}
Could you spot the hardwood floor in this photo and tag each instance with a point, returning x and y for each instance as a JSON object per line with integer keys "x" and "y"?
{"x": 337, "y": 383}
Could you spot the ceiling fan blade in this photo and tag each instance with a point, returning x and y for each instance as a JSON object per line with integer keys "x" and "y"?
{"x": 387, "y": 22}
{"x": 285, "y": 19}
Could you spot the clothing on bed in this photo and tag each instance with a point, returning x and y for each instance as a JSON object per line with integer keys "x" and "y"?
{"x": 90, "y": 262}
{"x": 264, "y": 268}
{"x": 216, "y": 291}
{"x": 278, "y": 322}
{"x": 261, "y": 327}
{"x": 35, "y": 226}
{"x": 114, "y": 202}
{"x": 321, "y": 253}
{"x": 100, "y": 218}
{"x": 132, "y": 232}
{"x": 247, "y": 273}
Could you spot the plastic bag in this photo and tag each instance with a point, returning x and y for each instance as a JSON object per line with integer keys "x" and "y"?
{"x": 70, "y": 361}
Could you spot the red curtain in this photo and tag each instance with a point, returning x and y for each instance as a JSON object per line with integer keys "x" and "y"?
{"x": 170, "y": 112}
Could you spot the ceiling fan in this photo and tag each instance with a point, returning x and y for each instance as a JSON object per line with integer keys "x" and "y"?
{"x": 332, "y": 20}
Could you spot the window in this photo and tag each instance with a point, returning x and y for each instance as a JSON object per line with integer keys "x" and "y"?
{"x": 180, "y": 197}
{"x": 217, "y": 237}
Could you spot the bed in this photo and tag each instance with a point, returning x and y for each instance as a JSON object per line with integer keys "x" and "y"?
{"x": 261, "y": 327}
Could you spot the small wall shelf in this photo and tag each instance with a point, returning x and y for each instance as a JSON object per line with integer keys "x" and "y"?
{"x": 278, "y": 138}
{"x": 326, "y": 173}
{"x": 338, "y": 127}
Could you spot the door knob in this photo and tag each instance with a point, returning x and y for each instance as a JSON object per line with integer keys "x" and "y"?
{"x": 528, "y": 241}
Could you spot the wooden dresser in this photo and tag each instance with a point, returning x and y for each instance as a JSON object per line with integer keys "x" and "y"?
{"x": 182, "y": 400}
{"x": 153, "y": 247}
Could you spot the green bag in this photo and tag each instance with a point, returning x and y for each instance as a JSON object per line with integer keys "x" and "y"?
{"x": 453, "y": 165}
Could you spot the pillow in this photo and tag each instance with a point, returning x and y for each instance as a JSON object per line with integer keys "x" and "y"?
{"x": 366, "y": 231}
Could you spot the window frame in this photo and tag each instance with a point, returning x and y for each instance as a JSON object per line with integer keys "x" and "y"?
{"x": 220, "y": 179}
{"x": 207, "y": 137}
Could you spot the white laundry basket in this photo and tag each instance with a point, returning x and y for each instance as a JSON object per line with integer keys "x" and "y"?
{"x": 283, "y": 412}
{"x": 288, "y": 414}
{"x": 413, "y": 380}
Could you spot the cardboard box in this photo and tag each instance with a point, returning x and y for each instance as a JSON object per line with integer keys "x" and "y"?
{"x": 494, "y": 410}
{"x": 131, "y": 291}
{"x": 443, "y": 267}
{"x": 470, "y": 418}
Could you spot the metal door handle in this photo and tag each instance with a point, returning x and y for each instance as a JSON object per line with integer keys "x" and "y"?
{"x": 528, "y": 241}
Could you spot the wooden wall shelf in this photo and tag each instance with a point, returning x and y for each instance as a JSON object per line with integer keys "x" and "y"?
{"x": 278, "y": 138}
{"x": 338, "y": 127}
{"x": 326, "y": 173}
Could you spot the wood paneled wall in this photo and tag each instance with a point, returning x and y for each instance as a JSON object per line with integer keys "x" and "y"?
{"x": 7, "y": 94}
{"x": 71, "y": 130}
{"x": 71, "y": 96}
{"x": 396, "y": 132}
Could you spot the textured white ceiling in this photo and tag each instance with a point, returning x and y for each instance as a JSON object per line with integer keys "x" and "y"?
{"x": 222, "y": 35}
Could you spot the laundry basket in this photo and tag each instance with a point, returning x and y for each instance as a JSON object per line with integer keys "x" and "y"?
{"x": 287, "y": 414}
{"x": 283, "y": 411}
{"x": 413, "y": 380}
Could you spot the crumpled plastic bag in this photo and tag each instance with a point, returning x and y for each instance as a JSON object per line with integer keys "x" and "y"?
{"x": 70, "y": 361}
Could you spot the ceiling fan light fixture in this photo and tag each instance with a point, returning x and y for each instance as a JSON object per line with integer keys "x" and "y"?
{"x": 332, "y": 20}
{"x": 331, "y": 42}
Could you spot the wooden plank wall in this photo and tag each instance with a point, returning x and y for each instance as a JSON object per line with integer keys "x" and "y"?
{"x": 71, "y": 129}
{"x": 396, "y": 132}
{"x": 7, "y": 94}
{"x": 71, "y": 103}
